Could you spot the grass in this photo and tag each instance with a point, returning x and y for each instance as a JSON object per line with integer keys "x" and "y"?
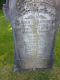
{"x": 7, "y": 57}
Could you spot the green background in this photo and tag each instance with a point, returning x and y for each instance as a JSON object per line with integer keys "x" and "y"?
{"x": 1, "y": 3}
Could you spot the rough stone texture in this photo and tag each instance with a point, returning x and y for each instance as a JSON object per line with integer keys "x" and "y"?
{"x": 34, "y": 25}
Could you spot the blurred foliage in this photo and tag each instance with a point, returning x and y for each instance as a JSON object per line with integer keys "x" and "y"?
{"x": 1, "y": 3}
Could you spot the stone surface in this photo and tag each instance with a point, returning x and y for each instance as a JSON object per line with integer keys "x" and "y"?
{"x": 34, "y": 25}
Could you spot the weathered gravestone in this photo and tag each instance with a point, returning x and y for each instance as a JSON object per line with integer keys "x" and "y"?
{"x": 34, "y": 24}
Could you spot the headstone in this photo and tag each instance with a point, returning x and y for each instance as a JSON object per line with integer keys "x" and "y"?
{"x": 34, "y": 24}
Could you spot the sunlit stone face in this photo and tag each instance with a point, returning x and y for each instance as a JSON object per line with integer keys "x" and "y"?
{"x": 36, "y": 25}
